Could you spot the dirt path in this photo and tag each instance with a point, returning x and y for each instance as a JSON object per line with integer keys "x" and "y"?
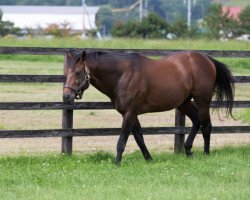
{"x": 108, "y": 143}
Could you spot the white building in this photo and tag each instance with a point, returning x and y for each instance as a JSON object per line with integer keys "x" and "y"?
{"x": 80, "y": 18}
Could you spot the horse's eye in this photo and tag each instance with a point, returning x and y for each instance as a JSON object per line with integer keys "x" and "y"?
{"x": 78, "y": 73}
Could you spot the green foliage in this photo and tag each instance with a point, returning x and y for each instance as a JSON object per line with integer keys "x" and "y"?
{"x": 126, "y": 29}
{"x": 152, "y": 26}
{"x": 104, "y": 19}
{"x": 245, "y": 20}
{"x": 7, "y": 27}
{"x": 222, "y": 175}
{"x": 218, "y": 24}
{"x": 173, "y": 10}
{"x": 180, "y": 28}
{"x": 58, "y": 30}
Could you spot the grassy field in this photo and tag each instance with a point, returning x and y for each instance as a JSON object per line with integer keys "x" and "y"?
{"x": 128, "y": 43}
{"x": 222, "y": 175}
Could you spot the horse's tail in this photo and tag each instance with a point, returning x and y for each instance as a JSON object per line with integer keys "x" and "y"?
{"x": 224, "y": 86}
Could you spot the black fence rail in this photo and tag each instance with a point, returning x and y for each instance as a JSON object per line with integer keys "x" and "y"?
{"x": 67, "y": 132}
{"x": 146, "y": 52}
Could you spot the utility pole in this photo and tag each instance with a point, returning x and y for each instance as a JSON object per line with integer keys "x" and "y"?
{"x": 141, "y": 10}
{"x": 83, "y": 22}
{"x": 85, "y": 13}
{"x": 189, "y": 13}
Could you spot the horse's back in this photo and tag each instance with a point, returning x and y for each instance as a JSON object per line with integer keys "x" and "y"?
{"x": 172, "y": 79}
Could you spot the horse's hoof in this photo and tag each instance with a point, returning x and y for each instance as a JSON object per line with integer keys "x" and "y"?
{"x": 149, "y": 160}
{"x": 189, "y": 154}
{"x": 118, "y": 163}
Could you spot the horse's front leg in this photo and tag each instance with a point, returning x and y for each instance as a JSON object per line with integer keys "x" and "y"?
{"x": 127, "y": 124}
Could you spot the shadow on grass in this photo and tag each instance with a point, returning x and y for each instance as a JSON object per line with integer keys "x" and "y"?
{"x": 100, "y": 156}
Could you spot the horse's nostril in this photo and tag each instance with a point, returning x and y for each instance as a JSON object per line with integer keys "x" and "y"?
{"x": 65, "y": 97}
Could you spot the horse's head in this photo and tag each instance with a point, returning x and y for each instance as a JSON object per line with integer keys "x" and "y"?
{"x": 77, "y": 76}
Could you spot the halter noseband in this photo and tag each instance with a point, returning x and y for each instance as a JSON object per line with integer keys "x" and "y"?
{"x": 79, "y": 91}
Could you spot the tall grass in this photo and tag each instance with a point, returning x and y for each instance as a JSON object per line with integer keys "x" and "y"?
{"x": 222, "y": 175}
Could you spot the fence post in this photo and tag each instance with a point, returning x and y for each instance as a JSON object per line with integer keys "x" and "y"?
{"x": 179, "y": 137}
{"x": 67, "y": 124}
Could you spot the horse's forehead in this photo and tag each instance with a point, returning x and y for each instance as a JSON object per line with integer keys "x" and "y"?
{"x": 72, "y": 63}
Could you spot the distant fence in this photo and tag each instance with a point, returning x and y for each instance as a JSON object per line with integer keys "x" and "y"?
{"x": 67, "y": 132}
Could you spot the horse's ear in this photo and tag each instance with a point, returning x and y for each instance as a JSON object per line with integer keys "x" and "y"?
{"x": 83, "y": 55}
{"x": 70, "y": 54}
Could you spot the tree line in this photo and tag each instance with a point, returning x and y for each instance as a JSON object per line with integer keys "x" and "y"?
{"x": 166, "y": 19}
{"x": 215, "y": 24}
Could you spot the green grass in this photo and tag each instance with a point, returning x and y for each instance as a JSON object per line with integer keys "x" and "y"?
{"x": 225, "y": 174}
{"x": 245, "y": 115}
{"x": 30, "y": 67}
{"x": 128, "y": 43}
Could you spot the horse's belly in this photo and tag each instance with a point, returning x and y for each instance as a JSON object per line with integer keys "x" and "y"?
{"x": 164, "y": 100}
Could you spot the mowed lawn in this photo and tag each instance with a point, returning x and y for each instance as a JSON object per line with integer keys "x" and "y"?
{"x": 225, "y": 174}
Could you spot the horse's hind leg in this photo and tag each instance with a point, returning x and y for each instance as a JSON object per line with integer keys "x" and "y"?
{"x": 206, "y": 126}
{"x": 136, "y": 130}
{"x": 190, "y": 110}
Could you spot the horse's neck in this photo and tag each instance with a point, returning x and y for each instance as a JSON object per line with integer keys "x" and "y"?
{"x": 105, "y": 75}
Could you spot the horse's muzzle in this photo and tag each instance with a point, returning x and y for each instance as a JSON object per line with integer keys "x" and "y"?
{"x": 67, "y": 98}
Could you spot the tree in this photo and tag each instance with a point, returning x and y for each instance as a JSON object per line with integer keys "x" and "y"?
{"x": 218, "y": 24}
{"x": 7, "y": 27}
{"x": 199, "y": 9}
{"x": 104, "y": 20}
{"x": 125, "y": 29}
{"x": 153, "y": 26}
{"x": 180, "y": 28}
{"x": 244, "y": 18}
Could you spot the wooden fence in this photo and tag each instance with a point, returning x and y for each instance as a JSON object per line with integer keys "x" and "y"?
{"x": 67, "y": 132}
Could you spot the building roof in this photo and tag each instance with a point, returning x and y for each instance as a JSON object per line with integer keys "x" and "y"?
{"x": 40, "y": 16}
{"x": 234, "y": 11}
{"x": 59, "y": 10}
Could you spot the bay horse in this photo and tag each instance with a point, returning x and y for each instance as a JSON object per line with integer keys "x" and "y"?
{"x": 137, "y": 84}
